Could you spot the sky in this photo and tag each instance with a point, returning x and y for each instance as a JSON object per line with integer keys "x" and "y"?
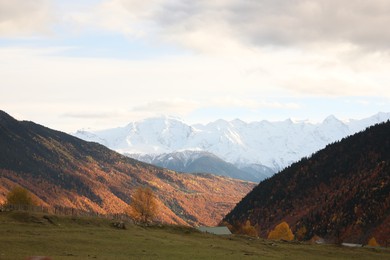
{"x": 104, "y": 63}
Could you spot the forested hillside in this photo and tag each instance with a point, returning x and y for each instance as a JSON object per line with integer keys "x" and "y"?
{"x": 63, "y": 170}
{"x": 341, "y": 193}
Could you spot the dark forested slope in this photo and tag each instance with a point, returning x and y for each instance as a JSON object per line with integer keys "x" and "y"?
{"x": 340, "y": 193}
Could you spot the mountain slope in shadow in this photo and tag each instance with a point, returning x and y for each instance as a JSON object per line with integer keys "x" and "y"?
{"x": 341, "y": 193}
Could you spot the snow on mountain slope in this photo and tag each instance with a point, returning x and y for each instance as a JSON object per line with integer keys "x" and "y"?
{"x": 204, "y": 162}
{"x": 271, "y": 144}
{"x": 150, "y": 136}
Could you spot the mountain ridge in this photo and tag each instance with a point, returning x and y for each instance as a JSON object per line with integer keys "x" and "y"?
{"x": 340, "y": 193}
{"x": 203, "y": 162}
{"x": 60, "y": 169}
{"x": 272, "y": 144}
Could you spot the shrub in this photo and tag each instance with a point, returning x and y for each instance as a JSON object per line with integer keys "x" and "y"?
{"x": 281, "y": 231}
{"x": 300, "y": 234}
{"x": 20, "y": 196}
{"x": 248, "y": 229}
{"x": 372, "y": 242}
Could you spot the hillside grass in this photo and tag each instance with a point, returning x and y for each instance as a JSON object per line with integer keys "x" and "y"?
{"x": 24, "y": 234}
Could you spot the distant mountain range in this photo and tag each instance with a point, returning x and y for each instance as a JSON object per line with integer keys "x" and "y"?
{"x": 203, "y": 162}
{"x": 61, "y": 169}
{"x": 341, "y": 193}
{"x": 251, "y": 151}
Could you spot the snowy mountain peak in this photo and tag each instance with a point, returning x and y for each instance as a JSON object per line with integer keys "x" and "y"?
{"x": 219, "y": 124}
{"x": 163, "y": 119}
{"x": 273, "y": 144}
{"x": 238, "y": 122}
{"x": 381, "y": 116}
{"x": 330, "y": 118}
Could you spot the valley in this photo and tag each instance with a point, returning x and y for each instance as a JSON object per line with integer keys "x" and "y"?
{"x": 339, "y": 194}
{"x": 60, "y": 169}
{"x": 129, "y": 127}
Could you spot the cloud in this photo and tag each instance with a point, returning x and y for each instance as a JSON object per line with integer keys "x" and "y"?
{"x": 253, "y": 104}
{"x": 303, "y": 22}
{"x": 212, "y": 26}
{"x": 183, "y": 108}
{"x": 247, "y": 56}
{"x": 177, "y": 107}
{"x": 215, "y": 25}
{"x": 25, "y": 18}
{"x": 93, "y": 115}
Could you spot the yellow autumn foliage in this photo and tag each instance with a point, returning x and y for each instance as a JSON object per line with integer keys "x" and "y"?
{"x": 281, "y": 231}
{"x": 20, "y": 196}
{"x": 372, "y": 242}
{"x": 248, "y": 229}
{"x": 301, "y": 233}
{"x": 143, "y": 207}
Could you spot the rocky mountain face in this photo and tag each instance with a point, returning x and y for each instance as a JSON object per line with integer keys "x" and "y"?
{"x": 341, "y": 193}
{"x": 203, "y": 162}
{"x": 61, "y": 169}
{"x": 259, "y": 148}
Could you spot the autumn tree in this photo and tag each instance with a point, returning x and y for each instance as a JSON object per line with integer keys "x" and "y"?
{"x": 20, "y": 196}
{"x": 143, "y": 206}
{"x": 281, "y": 231}
{"x": 248, "y": 229}
{"x": 300, "y": 234}
{"x": 372, "y": 242}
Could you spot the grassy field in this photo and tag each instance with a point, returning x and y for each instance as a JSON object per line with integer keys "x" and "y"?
{"x": 26, "y": 234}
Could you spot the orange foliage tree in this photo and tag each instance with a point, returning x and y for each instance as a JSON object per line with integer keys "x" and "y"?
{"x": 372, "y": 242}
{"x": 20, "y": 196}
{"x": 301, "y": 233}
{"x": 281, "y": 231}
{"x": 248, "y": 229}
{"x": 143, "y": 206}
{"x": 241, "y": 228}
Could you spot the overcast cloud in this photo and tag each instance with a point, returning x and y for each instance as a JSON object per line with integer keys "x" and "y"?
{"x": 99, "y": 60}
{"x": 25, "y": 18}
{"x": 252, "y": 22}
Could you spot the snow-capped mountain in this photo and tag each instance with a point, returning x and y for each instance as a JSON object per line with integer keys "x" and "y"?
{"x": 271, "y": 144}
{"x": 204, "y": 162}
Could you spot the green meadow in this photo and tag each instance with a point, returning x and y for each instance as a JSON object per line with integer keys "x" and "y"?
{"x": 24, "y": 234}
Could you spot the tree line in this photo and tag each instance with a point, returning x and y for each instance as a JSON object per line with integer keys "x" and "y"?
{"x": 142, "y": 209}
